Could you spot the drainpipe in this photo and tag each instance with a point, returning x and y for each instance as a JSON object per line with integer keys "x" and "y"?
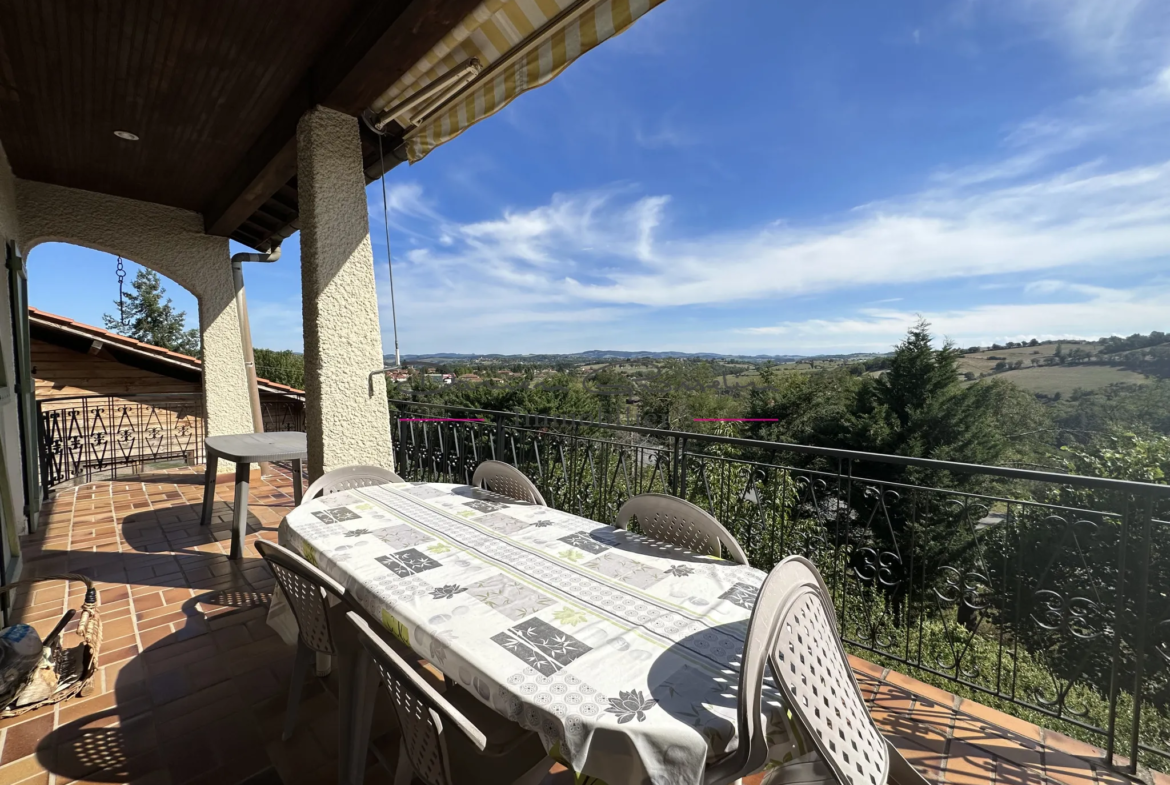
{"x": 246, "y": 334}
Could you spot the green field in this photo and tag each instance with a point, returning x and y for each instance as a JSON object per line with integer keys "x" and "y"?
{"x": 984, "y": 362}
{"x": 1064, "y": 379}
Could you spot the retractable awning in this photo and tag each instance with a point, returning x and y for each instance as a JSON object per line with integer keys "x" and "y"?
{"x": 500, "y": 50}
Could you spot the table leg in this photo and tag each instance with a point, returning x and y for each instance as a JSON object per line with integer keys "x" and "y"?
{"x": 209, "y": 488}
{"x": 298, "y": 490}
{"x": 240, "y": 514}
{"x": 358, "y": 682}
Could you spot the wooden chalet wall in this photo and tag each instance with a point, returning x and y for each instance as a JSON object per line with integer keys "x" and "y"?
{"x": 60, "y": 372}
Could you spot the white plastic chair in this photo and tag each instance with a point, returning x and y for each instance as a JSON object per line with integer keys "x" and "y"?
{"x": 678, "y": 522}
{"x": 349, "y": 477}
{"x": 506, "y": 480}
{"x": 793, "y": 630}
{"x": 307, "y": 591}
{"x": 440, "y": 744}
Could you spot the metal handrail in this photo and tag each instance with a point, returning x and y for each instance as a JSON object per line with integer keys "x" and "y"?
{"x": 1007, "y": 472}
{"x": 1065, "y": 569}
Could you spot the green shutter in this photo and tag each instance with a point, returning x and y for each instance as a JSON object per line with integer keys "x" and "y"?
{"x": 25, "y": 387}
{"x": 9, "y": 517}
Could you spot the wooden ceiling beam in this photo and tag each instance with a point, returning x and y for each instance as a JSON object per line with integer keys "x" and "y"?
{"x": 379, "y": 42}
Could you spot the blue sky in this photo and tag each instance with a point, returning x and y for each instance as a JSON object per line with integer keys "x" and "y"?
{"x": 764, "y": 177}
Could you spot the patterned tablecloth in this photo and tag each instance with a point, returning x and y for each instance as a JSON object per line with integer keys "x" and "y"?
{"x": 621, "y": 652}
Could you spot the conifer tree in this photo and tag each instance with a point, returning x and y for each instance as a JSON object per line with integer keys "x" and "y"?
{"x": 151, "y": 317}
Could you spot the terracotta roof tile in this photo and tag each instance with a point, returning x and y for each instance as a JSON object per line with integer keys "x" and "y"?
{"x": 38, "y": 315}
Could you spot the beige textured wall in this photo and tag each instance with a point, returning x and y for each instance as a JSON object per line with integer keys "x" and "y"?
{"x": 9, "y": 417}
{"x": 343, "y": 341}
{"x": 171, "y": 242}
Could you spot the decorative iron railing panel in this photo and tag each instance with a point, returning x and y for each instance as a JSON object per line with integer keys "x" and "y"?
{"x": 87, "y": 436}
{"x": 1044, "y": 592}
{"x": 282, "y": 416}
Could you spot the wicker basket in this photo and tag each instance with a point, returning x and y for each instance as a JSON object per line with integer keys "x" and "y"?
{"x": 89, "y": 629}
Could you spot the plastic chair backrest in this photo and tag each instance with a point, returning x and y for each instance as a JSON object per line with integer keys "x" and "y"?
{"x": 506, "y": 480}
{"x": 812, "y": 670}
{"x": 422, "y": 711}
{"x": 676, "y": 521}
{"x": 347, "y": 478}
{"x": 752, "y": 752}
{"x": 306, "y": 588}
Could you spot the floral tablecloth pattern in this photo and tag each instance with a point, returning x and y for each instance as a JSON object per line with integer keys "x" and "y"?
{"x": 621, "y": 652}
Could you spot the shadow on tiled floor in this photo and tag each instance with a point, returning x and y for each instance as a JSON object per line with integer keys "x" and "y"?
{"x": 192, "y": 682}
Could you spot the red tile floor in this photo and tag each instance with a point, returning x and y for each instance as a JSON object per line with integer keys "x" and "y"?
{"x": 192, "y": 683}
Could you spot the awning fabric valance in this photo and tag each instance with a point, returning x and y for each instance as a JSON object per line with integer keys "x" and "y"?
{"x": 520, "y": 44}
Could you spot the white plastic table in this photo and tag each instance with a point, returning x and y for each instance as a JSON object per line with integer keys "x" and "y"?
{"x": 246, "y": 449}
{"x": 620, "y": 651}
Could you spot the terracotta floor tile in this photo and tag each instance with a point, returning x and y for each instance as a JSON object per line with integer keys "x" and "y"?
{"x": 1007, "y": 773}
{"x": 919, "y": 688}
{"x": 21, "y": 740}
{"x": 929, "y": 763}
{"x": 1015, "y": 749}
{"x": 1068, "y": 770}
{"x": 1014, "y": 724}
{"x": 968, "y": 765}
{"x": 203, "y": 701}
{"x": 28, "y": 767}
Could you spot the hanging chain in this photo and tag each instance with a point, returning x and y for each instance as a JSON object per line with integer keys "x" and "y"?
{"x": 121, "y": 301}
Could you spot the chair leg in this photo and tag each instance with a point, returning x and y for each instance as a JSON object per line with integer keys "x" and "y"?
{"x": 298, "y": 483}
{"x": 209, "y": 488}
{"x": 240, "y": 513}
{"x": 405, "y": 772}
{"x": 300, "y": 670}
{"x": 359, "y": 690}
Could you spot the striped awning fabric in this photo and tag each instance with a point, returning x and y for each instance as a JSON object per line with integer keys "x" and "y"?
{"x": 519, "y": 44}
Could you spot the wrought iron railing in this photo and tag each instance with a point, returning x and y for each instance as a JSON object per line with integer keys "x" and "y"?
{"x": 95, "y": 435}
{"x": 90, "y": 436}
{"x": 287, "y": 415}
{"x": 1045, "y": 593}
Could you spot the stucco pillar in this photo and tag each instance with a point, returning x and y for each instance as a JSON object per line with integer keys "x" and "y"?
{"x": 169, "y": 241}
{"x": 347, "y": 423}
{"x": 225, "y": 396}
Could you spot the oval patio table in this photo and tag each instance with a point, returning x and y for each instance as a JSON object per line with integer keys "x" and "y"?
{"x": 620, "y": 651}
{"x": 246, "y": 449}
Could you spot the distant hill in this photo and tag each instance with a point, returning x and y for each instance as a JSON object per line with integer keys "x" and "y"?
{"x": 595, "y": 355}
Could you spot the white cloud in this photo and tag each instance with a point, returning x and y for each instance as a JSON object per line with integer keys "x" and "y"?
{"x": 590, "y": 261}
{"x": 665, "y": 135}
{"x": 1062, "y": 201}
{"x": 1109, "y": 35}
{"x": 597, "y": 248}
{"x": 1102, "y": 312}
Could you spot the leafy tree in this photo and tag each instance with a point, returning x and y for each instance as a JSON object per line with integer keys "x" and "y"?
{"x": 283, "y": 367}
{"x": 611, "y": 388}
{"x": 815, "y": 409}
{"x": 151, "y": 318}
{"x": 682, "y": 391}
{"x": 919, "y": 375}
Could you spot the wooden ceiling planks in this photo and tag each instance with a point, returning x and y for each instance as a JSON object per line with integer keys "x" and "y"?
{"x": 212, "y": 88}
{"x": 197, "y": 82}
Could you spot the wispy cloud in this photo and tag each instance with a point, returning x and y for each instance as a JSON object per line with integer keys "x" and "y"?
{"x": 586, "y": 257}
{"x": 599, "y": 248}
{"x": 663, "y": 134}
{"x": 1102, "y": 312}
{"x": 1040, "y": 228}
{"x": 1115, "y": 36}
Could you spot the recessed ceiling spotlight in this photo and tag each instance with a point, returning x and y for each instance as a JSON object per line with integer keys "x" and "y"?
{"x": 129, "y": 137}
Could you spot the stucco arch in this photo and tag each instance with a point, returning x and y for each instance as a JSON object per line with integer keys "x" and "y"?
{"x": 171, "y": 242}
